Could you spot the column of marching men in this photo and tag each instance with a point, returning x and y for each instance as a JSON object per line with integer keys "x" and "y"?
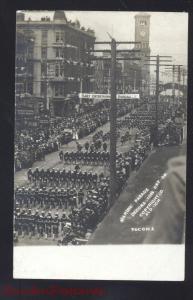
{"x": 43, "y": 210}
{"x": 82, "y": 196}
{"x": 66, "y": 205}
{"x": 32, "y": 144}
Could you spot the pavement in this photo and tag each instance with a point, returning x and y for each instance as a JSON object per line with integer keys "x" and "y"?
{"x": 124, "y": 223}
{"x": 52, "y": 159}
{"x": 121, "y": 225}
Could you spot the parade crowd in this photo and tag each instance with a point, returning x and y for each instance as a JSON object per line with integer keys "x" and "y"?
{"x": 33, "y": 144}
{"x": 67, "y": 205}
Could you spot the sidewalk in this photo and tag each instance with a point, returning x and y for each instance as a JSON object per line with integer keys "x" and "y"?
{"x": 52, "y": 159}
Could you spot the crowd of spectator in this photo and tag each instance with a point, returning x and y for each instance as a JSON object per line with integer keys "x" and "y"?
{"x": 67, "y": 205}
{"x": 33, "y": 144}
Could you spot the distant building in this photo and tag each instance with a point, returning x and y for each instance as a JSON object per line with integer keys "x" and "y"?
{"x": 23, "y": 66}
{"x": 60, "y": 61}
{"x": 103, "y": 75}
{"x": 26, "y": 107}
{"x": 136, "y": 73}
{"x": 142, "y": 34}
{"x": 132, "y": 75}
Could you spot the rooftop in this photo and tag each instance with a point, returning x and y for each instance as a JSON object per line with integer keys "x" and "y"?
{"x": 59, "y": 17}
{"x": 142, "y": 14}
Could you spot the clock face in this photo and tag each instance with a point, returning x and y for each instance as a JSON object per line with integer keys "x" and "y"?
{"x": 142, "y": 33}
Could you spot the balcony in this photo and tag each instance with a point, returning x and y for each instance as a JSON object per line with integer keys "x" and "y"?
{"x": 54, "y": 78}
{"x": 23, "y": 75}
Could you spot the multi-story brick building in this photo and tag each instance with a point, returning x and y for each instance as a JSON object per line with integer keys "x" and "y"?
{"x": 60, "y": 62}
{"x": 26, "y": 107}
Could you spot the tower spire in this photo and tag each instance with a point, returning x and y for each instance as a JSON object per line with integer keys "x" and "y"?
{"x": 59, "y": 15}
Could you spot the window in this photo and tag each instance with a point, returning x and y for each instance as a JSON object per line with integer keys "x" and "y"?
{"x": 30, "y": 87}
{"x": 44, "y": 52}
{"x": 142, "y": 22}
{"x": 43, "y": 69}
{"x": 44, "y": 36}
{"x": 59, "y": 90}
{"x": 43, "y": 88}
{"x": 30, "y": 52}
{"x": 145, "y": 45}
{"x": 19, "y": 88}
{"x": 58, "y": 70}
{"x": 59, "y": 36}
{"x": 59, "y": 52}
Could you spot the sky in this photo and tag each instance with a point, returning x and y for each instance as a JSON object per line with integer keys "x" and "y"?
{"x": 168, "y": 30}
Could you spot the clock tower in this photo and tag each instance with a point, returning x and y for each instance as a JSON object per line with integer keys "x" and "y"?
{"x": 142, "y": 34}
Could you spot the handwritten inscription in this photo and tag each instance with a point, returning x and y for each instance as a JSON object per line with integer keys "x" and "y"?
{"x": 146, "y": 201}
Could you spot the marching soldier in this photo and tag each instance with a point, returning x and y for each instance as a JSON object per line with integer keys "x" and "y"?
{"x": 61, "y": 156}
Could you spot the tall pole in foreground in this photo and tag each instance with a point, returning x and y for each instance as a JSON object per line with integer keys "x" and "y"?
{"x": 156, "y": 100}
{"x": 179, "y": 82}
{"x": 113, "y": 107}
{"x": 173, "y": 85}
{"x": 113, "y": 118}
{"x": 158, "y": 60}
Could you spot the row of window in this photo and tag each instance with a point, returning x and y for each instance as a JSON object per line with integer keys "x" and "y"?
{"x": 78, "y": 40}
{"x": 142, "y": 46}
{"x": 23, "y": 87}
{"x": 69, "y": 53}
{"x": 62, "y": 89}
{"x": 67, "y": 37}
{"x": 57, "y": 70}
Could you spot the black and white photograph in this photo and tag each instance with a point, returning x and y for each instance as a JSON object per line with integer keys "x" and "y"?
{"x": 100, "y": 130}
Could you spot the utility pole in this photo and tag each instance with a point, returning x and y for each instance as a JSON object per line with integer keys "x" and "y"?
{"x": 174, "y": 69}
{"x": 113, "y": 119}
{"x": 183, "y": 76}
{"x": 179, "y": 81}
{"x": 113, "y": 106}
{"x": 47, "y": 84}
{"x": 173, "y": 84}
{"x": 157, "y": 99}
{"x": 158, "y": 59}
{"x": 183, "y": 82}
{"x": 81, "y": 85}
{"x": 134, "y": 81}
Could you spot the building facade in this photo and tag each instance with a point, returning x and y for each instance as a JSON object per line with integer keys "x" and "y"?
{"x": 60, "y": 62}
{"x": 26, "y": 108}
{"x": 133, "y": 76}
{"x": 103, "y": 75}
{"x": 142, "y": 35}
{"x": 136, "y": 73}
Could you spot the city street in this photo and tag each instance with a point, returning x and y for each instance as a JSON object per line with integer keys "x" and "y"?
{"x": 97, "y": 118}
{"x": 52, "y": 160}
{"x": 116, "y": 228}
